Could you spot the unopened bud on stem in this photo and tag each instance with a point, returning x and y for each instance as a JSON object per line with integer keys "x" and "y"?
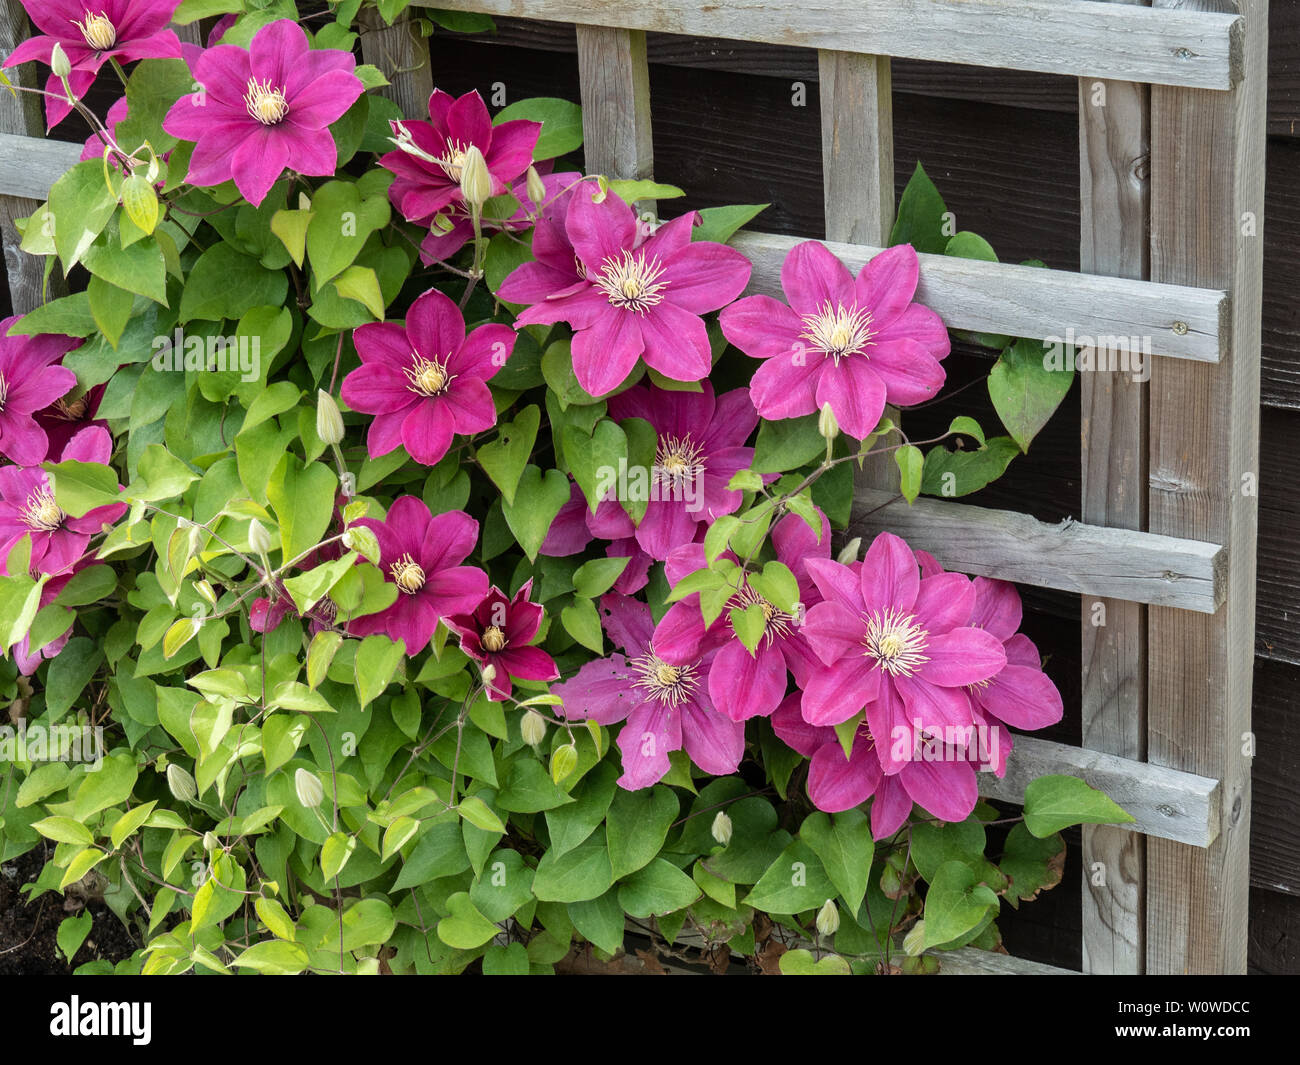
{"x": 60, "y": 66}
{"x": 181, "y": 784}
{"x": 533, "y": 728}
{"x": 849, "y": 552}
{"x": 828, "y": 919}
{"x": 258, "y": 538}
{"x": 721, "y": 828}
{"x": 329, "y": 422}
{"x": 309, "y": 788}
{"x": 826, "y": 423}
{"x": 536, "y": 190}
{"x": 475, "y": 181}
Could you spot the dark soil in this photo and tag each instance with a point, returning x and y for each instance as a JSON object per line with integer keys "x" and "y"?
{"x": 28, "y": 930}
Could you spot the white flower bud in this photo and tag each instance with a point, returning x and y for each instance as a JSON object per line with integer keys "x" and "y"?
{"x": 329, "y": 422}
{"x": 309, "y": 788}
{"x": 210, "y": 842}
{"x": 181, "y": 784}
{"x": 826, "y": 423}
{"x": 722, "y": 828}
{"x": 849, "y": 552}
{"x": 828, "y": 919}
{"x": 533, "y": 728}
{"x": 258, "y": 538}
{"x": 536, "y": 190}
{"x": 60, "y": 66}
{"x": 475, "y": 180}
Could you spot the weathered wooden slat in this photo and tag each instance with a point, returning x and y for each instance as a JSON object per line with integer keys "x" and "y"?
{"x": 615, "y": 85}
{"x": 1114, "y": 157}
{"x": 1207, "y": 203}
{"x": 1165, "y": 803}
{"x": 1169, "y": 320}
{"x": 1088, "y": 559}
{"x": 30, "y": 165}
{"x": 1057, "y": 36}
{"x": 402, "y": 55}
{"x": 969, "y": 961}
{"x": 21, "y": 113}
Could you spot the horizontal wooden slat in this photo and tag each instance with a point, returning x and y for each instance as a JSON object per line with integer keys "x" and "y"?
{"x": 1164, "y": 802}
{"x": 969, "y": 961}
{"x": 1027, "y": 301}
{"x": 1078, "y": 37}
{"x": 1091, "y": 560}
{"x": 30, "y": 165}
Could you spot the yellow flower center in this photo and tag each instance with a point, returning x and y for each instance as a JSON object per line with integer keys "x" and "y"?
{"x": 493, "y": 639}
{"x": 41, "y": 513}
{"x": 838, "y": 331}
{"x": 426, "y": 376}
{"x": 408, "y": 575}
{"x": 453, "y": 163}
{"x": 631, "y": 282}
{"x": 265, "y": 102}
{"x": 896, "y": 642}
{"x": 671, "y": 685}
{"x": 97, "y": 31}
{"x": 678, "y": 461}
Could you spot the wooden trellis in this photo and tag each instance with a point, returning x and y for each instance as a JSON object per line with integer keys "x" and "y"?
{"x": 1172, "y": 131}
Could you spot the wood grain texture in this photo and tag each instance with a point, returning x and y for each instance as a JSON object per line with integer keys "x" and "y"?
{"x": 1028, "y": 301}
{"x": 1207, "y": 174}
{"x": 1114, "y": 195}
{"x": 615, "y": 85}
{"x": 1164, "y": 803}
{"x": 1088, "y": 559}
{"x": 1056, "y": 36}
{"x": 20, "y": 114}
{"x": 402, "y": 56}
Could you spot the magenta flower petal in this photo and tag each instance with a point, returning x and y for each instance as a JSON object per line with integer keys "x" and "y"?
{"x": 651, "y": 732}
{"x": 997, "y": 608}
{"x": 947, "y": 790}
{"x": 932, "y": 708}
{"x": 600, "y": 232}
{"x": 786, "y": 386}
{"x": 742, "y": 685}
{"x": 435, "y": 325}
{"x": 600, "y": 690}
{"x": 812, "y": 277}
{"x": 676, "y": 343}
{"x": 705, "y": 276}
{"x": 427, "y": 431}
{"x": 944, "y": 601}
{"x": 890, "y": 576}
{"x": 832, "y": 630}
{"x": 377, "y": 388}
{"x": 568, "y": 533}
{"x": 1024, "y": 697}
{"x": 762, "y": 327}
{"x": 910, "y": 374}
{"x": 856, "y": 394}
{"x": 922, "y": 325}
{"x": 887, "y": 283}
{"x": 605, "y": 353}
{"x": 837, "y": 583}
{"x": 795, "y": 732}
{"x": 835, "y": 695}
{"x": 836, "y": 783}
{"x": 891, "y": 807}
{"x": 680, "y": 635}
{"x": 715, "y": 744}
{"x": 962, "y": 656}
{"x": 628, "y": 623}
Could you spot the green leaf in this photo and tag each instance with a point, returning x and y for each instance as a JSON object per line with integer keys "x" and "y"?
{"x": 575, "y": 876}
{"x": 335, "y": 853}
{"x": 80, "y": 206}
{"x": 69, "y": 673}
{"x": 538, "y": 499}
{"x": 936, "y": 843}
{"x": 480, "y": 814}
{"x": 632, "y": 191}
{"x": 440, "y": 852}
{"x": 226, "y": 283}
{"x": 342, "y": 220}
{"x": 1031, "y": 864}
{"x": 302, "y": 497}
{"x": 72, "y": 934}
{"x": 161, "y": 475}
{"x": 561, "y": 124}
{"x": 922, "y": 216}
{"x": 80, "y": 487}
{"x": 64, "y": 830}
{"x": 795, "y": 882}
{"x": 291, "y": 228}
{"x": 968, "y": 427}
{"x": 955, "y": 903}
{"x": 636, "y": 827}
{"x": 595, "y": 577}
{"x": 504, "y": 458}
{"x": 139, "y": 267}
{"x": 564, "y": 760}
{"x": 69, "y": 315}
{"x": 787, "y": 444}
{"x": 529, "y": 788}
{"x": 320, "y": 653}
{"x": 126, "y": 825}
{"x": 509, "y": 960}
{"x": 594, "y": 458}
{"x": 582, "y": 622}
{"x": 957, "y": 473}
{"x": 572, "y": 823}
{"x": 600, "y": 921}
{"x": 657, "y": 889}
{"x": 1056, "y": 802}
{"x": 749, "y": 624}
{"x": 111, "y": 308}
{"x": 274, "y": 956}
{"x": 361, "y": 283}
{"x": 140, "y": 202}
{"x": 719, "y": 223}
{"x": 845, "y": 847}
{"x": 464, "y": 927}
{"x": 800, "y": 963}
{"x": 910, "y": 465}
{"x": 377, "y": 660}
{"x": 1025, "y": 391}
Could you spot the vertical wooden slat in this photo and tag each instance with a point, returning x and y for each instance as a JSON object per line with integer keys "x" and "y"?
{"x": 402, "y": 55}
{"x": 1114, "y": 157}
{"x": 614, "y": 79}
{"x": 1207, "y": 172}
{"x": 23, "y": 115}
{"x": 858, "y": 177}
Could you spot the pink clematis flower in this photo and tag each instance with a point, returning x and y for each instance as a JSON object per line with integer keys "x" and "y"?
{"x": 91, "y": 32}
{"x": 29, "y": 383}
{"x": 744, "y": 685}
{"x": 28, "y": 507}
{"x": 945, "y": 787}
{"x": 555, "y": 266}
{"x": 855, "y": 344}
{"x": 264, "y": 109}
{"x": 638, "y": 298}
{"x": 701, "y": 446}
{"x": 426, "y": 381}
{"x": 65, "y": 418}
{"x": 422, "y": 554}
{"x": 430, "y": 155}
{"x": 664, "y": 707}
{"x": 498, "y": 633}
{"x": 899, "y": 645}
